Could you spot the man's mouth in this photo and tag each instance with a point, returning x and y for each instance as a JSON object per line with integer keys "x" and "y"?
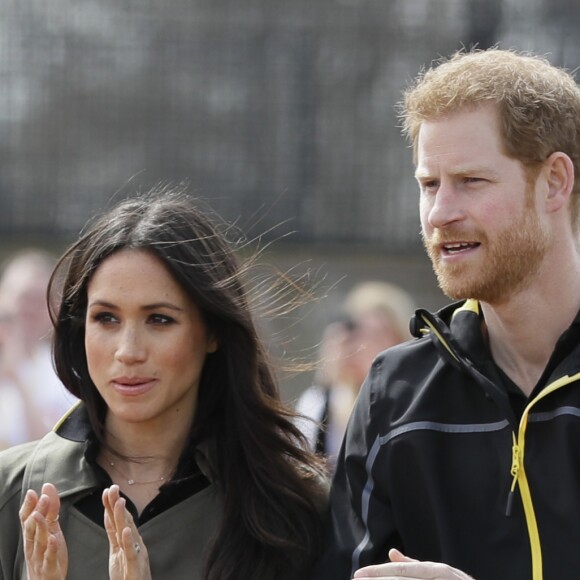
{"x": 458, "y": 247}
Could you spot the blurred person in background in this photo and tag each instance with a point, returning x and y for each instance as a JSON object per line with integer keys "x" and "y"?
{"x": 374, "y": 316}
{"x": 32, "y": 398}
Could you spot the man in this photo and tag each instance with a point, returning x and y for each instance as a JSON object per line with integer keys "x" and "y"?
{"x": 462, "y": 455}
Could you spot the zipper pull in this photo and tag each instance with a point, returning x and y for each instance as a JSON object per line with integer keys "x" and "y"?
{"x": 515, "y": 469}
{"x": 510, "y": 503}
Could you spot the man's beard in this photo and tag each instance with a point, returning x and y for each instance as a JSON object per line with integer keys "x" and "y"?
{"x": 512, "y": 258}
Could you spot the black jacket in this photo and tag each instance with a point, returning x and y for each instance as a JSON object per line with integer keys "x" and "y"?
{"x": 429, "y": 460}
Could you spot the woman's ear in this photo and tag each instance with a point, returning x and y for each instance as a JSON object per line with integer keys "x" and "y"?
{"x": 559, "y": 175}
{"x": 212, "y": 345}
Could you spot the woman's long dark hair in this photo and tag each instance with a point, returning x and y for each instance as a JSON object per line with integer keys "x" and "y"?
{"x": 273, "y": 489}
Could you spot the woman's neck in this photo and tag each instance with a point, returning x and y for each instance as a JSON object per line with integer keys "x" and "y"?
{"x": 146, "y": 440}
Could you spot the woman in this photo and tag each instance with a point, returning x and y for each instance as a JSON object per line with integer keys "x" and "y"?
{"x": 179, "y": 422}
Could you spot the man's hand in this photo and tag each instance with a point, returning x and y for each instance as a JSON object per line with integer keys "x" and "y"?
{"x": 44, "y": 545}
{"x": 402, "y": 566}
{"x": 128, "y": 557}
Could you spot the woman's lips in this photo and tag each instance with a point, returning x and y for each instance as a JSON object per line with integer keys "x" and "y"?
{"x": 133, "y": 386}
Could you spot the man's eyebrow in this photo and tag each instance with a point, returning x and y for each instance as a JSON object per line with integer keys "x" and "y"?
{"x": 460, "y": 170}
{"x": 421, "y": 174}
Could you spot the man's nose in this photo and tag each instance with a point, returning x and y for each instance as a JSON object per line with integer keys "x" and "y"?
{"x": 446, "y": 206}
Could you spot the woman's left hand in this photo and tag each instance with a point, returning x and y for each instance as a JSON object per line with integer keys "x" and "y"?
{"x": 128, "y": 556}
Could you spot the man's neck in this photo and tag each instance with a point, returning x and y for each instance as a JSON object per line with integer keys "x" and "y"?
{"x": 523, "y": 331}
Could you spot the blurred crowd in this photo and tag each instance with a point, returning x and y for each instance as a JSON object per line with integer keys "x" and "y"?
{"x": 32, "y": 399}
{"x": 373, "y": 317}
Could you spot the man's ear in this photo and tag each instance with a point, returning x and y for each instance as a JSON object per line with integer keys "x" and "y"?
{"x": 559, "y": 174}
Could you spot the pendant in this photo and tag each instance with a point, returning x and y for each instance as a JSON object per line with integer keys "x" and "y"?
{"x": 131, "y": 481}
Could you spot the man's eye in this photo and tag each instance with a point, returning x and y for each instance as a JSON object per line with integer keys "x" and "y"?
{"x": 429, "y": 185}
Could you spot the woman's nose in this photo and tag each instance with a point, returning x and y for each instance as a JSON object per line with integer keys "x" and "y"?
{"x": 131, "y": 346}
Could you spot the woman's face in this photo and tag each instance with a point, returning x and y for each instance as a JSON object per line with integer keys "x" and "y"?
{"x": 145, "y": 342}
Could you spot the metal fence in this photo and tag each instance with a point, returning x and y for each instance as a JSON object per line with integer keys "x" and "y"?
{"x": 276, "y": 112}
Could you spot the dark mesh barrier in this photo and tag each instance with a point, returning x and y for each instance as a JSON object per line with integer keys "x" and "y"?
{"x": 275, "y": 112}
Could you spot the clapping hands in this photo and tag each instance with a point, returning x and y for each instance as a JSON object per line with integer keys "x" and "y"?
{"x": 45, "y": 549}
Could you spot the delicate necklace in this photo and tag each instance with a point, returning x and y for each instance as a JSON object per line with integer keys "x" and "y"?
{"x": 131, "y": 481}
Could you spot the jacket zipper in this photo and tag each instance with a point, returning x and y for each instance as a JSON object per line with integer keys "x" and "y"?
{"x": 517, "y": 469}
{"x": 518, "y": 473}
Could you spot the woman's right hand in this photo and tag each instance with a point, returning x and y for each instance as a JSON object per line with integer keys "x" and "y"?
{"x": 45, "y": 549}
{"x": 128, "y": 556}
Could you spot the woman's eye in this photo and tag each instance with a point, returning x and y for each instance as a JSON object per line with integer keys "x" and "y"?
{"x": 104, "y": 318}
{"x": 160, "y": 319}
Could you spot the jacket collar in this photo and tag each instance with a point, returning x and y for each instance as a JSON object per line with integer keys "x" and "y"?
{"x": 467, "y": 326}
{"x": 59, "y": 457}
{"x": 75, "y": 424}
{"x": 456, "y": 330}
